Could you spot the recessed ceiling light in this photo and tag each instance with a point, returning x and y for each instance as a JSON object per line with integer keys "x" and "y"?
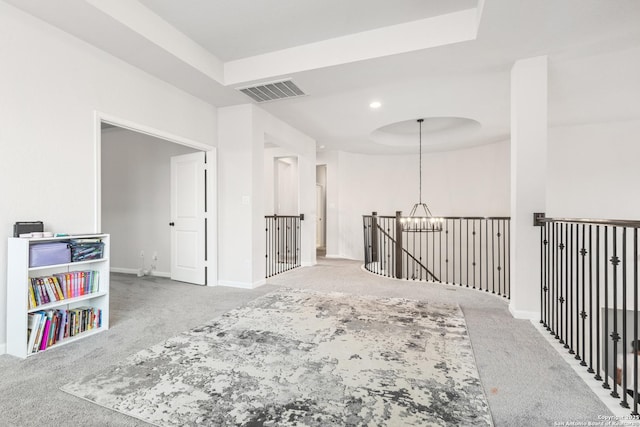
{"x": 375, "y": 104}
{"x": 321, "y": 147}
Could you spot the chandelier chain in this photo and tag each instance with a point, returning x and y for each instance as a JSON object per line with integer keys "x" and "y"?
{"x": 420, "y": 168}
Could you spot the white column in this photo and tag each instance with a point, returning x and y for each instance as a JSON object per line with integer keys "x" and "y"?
{"x": 528, "y": 181}
{"x": 240, "y": 211}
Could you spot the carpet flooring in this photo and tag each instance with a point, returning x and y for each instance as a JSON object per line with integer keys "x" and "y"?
{"x": 527, "y": 383}
{"x": 304, "y": 358}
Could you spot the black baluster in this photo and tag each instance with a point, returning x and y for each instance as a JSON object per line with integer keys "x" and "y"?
{"x": 480, "y": 250}
{"x": 499, "y": 258}
{"x": 473, "y": 239}
{"x": 474, "y": 253}
{"x": 598, "y": 334}
{"x": 583, "y": 312}
{"x": 433, "y": 253}
{"x": 467, "y": 239}
{"x": 460, "y": 250}
{"x": 440, "y": 257}
{"x": 560, "y": 277}
{"x": 486, "y": 258}
{"x": 493, "y": 260}
{"x": 567, "y": 284}
{"x": 552, "y": 270}
{"x": 570, "y": 249}
{"x": 625, "y": 342}
{"x": 577, "y": 281}
{"x": 453, "y": 253}
{"x": 548, "y": 245}
{"x": 446, "y": 240}
{"x": 554, "y": 280}
{"x": 543, "y": 317}
{"x": 590, "y": 370}
{"x": 614, "y": 335}
{"x": 508, "y": 274}
{"x": 635, "y": 321}
{"x": 605, "y": 263}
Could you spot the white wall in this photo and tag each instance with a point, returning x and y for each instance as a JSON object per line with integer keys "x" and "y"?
{"x": 237, "y": 197}
{"x": 291, "y": 140}
{"x": 244, "y": 167}
{"x": 470, "y": 182}
{"x": 52, "y": 84}
{"x": 136, "y": 205}
{"x": 529, "y": 112}
{"x": 593, "y": 165}
{"x": 593, "y": 171}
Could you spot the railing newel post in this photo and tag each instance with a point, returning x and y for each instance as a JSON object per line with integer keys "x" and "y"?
{"x": 374, "y": 236}
{"x": 398, "y": 247}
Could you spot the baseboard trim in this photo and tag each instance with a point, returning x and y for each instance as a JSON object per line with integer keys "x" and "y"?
{"x": 523, "y": 314}
{"x": 134, "y": 271}
{"x": 242, "y": 285}
{"x": 3, "y": 348}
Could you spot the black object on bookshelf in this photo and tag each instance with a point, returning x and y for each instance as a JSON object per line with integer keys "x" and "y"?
{"x": 22, "y": 227}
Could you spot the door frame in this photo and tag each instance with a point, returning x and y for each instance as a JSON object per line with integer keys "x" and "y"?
{"x": 211, "y": 183}
{"x": 320, "y": 216}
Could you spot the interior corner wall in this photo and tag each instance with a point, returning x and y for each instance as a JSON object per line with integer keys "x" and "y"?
{"x": 242, "y": 132}
{"x": 467, "y": 182}
{"x": 52, "y": 84}
{"x": 297, "y": 144}
{"x": 136, "y": 205}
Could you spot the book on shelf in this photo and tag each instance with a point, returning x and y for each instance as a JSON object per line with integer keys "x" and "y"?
{"x": 33, "y": 324}
{"x": 61, "y": 286}
{"x": 47, "y": 328}
{"x": 45, "y": 333}
{"x": 39, "y": 328}
{"x": 32, "y": 298}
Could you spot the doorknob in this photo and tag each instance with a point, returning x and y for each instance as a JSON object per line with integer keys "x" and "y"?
{"x": 172, "y": 224}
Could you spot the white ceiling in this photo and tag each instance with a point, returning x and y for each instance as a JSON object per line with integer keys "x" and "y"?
{"x": 234, "y": 29}
{"x": 419, "y": 58}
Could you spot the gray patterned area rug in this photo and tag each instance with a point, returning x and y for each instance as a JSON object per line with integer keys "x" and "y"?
{"x": 296, "y": 357}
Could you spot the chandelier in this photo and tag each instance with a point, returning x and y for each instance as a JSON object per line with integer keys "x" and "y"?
{"x": 420, "y": 218}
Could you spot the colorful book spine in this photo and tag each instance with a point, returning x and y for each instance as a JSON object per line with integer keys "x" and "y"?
{"x": 45, "y": 334}
{"x": 58, "y": 287}
{"x": 39, "y": 325}
{"x": 32, "y": 297}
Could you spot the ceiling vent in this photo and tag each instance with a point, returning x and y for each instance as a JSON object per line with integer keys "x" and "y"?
{"x": 273, "y": 91}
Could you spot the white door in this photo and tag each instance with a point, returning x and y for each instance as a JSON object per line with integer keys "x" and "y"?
{"x": 188, "y": 218}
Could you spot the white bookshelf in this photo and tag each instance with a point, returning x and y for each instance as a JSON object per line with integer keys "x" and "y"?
{"x": 18, "y": 279}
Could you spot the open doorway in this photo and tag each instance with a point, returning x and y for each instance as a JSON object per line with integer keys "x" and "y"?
{"x": 286, "y": 193}
{"x": 321, "y": 209}
{"x": 135, "y": 187}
